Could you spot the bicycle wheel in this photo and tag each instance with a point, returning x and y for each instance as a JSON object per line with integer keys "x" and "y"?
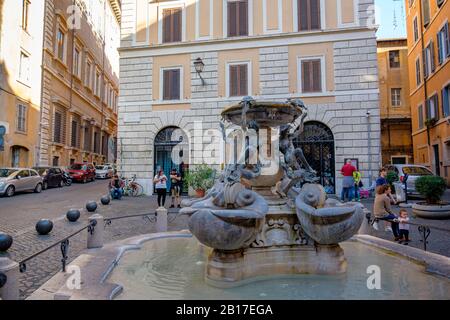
{"x": 137, "y": 190}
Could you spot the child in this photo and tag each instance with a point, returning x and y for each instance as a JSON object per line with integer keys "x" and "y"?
{"x": 403, "y": 226}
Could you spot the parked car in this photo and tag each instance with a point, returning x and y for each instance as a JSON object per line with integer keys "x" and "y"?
{"x": 82, "y": 172}
{"x": 104, "y": 172}
{"x": 51, "y": 177}
{"x": 413, "y": 171}
{"x": 13, "y": 180}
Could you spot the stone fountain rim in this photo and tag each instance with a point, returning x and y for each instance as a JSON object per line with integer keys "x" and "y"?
{"x": 54, "y": 288}
{"x": 257, "y": 104}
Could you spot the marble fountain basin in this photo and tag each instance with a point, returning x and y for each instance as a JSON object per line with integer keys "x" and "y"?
{"x": 172, "y": 266}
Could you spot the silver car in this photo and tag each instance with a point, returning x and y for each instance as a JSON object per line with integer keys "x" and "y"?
{"x": 13, "y": 180}
{"x": 413, "y": 171}
{"x": 104, "y": 172}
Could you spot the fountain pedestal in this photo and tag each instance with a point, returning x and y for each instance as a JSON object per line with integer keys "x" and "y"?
{"x": 231, "y": 269}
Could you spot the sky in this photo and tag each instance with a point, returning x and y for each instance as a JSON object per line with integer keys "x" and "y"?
{"x": 390, "y": 15}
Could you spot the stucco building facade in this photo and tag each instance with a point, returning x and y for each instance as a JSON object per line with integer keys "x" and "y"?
{"x": 429, "y": 68}
{"x": 395, "y": 109}
{"x": 20, "y": 82}
{"x": 322, "y": 51}
{"x": 80, "y": 82}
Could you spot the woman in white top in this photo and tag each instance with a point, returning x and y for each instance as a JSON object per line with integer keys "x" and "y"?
{"x": 160, "y": 182}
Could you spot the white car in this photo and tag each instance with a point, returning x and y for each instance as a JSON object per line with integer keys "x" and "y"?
{"x": 104, "y": 172}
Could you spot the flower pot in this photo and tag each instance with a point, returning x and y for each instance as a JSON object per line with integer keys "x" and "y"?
{"x": 200, "y": 193}
{"x": 428, "y": 211}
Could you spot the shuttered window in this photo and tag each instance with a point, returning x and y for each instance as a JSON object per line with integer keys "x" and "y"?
{"x": 237, "y": 13}
{"x": 238, "y": 80}
{"x": 21, "y": 118}
{"x": 171, "y": 84}
{"x": 432, "y": 107}
{"x": 172, "y": 24}
{"x": 75, "y": 132}
{"x": 311, "y": 76}
{"x": 87, "y": 137}
{"x": 426, "y": 12}
{"x": 308, "y": 14}
{"x": 96, "y": 141}
{"x": 59, "y": 125}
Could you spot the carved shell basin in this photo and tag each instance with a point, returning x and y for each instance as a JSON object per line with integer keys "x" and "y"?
{"x": 225, "y": 229}
{"x": 266, "y": 114}
{"x": 327, "y": 222}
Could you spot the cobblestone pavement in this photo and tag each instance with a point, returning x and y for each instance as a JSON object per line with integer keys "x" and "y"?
{"x": 438, "y": 241}
{"x": 18, "y": 216}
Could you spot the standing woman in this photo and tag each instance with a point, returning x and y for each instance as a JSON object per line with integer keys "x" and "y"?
{"x": 160, "y": 182}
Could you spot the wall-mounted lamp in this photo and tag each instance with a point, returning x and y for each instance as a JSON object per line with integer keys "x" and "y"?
{"x": 199, "y": 65}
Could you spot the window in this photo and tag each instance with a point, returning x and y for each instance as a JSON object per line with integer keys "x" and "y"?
{"x": 59, "y": 125}
{"x": 88, "y": 75}
{"x": 432, "y": 107}
{"x": 416, "y": 29}
{"x": 21, "y": 115}
{"x": 418, "y": 75}
{"x": 96, "y": 142}
{"x": 440, "y": 2}
{"x": 311, "y": 75}
{"x": 443, "y": 44}
{"x": 396, "y": 99}
{"x": 420, "y": 116}
{"x": 238, "y": 80}
{"x": 105, "y": 139}
{"x": 60, "y": 42}
{"x": 77, "y": 62}
{"x": 97, "y": 84}
{"x": 172, "y": 25}
{"x": 446, "y": 100}
{"x": 24, "y": 174}
{"x": 237, "y": 13}
{"x": 55, "y": 161}
{"x": 87, "y": 137}
{"x": 425, "y": 12}
{"x": 394, "y": 59}
{"x": 25, "y": 13}
{"x": 75, "y": 134}
{"x": 24, "y": 68}
{"x": 308, "y": 13}
{"x": 171, "y": 84}
{"x": 429, "y": 65}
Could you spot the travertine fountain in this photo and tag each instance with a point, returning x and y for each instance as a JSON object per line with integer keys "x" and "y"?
{"x": 263, "y": 222}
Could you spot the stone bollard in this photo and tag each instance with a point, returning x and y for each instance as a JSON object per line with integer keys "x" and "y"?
{"x": 161, "y": 219}
{"x": 10, "y": 271}
{"x": 95, "y": 236}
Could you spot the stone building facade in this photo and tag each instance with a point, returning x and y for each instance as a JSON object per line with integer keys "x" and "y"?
{"x": 80, "y": 82}
{"x": 322, "y": 51}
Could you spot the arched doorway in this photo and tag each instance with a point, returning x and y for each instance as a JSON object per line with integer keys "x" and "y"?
{"x": 317, "y": 143}
{"x": 171, "y": 151}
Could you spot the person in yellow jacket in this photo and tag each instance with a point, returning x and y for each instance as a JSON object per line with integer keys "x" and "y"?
{"x": 358, "y": 184}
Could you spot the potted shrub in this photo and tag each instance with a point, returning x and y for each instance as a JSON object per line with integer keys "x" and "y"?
{"x": 432, "y": 188}
{"x": 201, "y": 178}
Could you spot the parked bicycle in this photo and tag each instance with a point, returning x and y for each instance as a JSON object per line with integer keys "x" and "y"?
{"x": 132, "y": 188}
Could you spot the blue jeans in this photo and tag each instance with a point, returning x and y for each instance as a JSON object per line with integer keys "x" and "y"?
{"x": 357, "y": 192}
{"x": 116, "y": 193}
{"x": 394, "y": 225}
{"x": 347, "y": 193}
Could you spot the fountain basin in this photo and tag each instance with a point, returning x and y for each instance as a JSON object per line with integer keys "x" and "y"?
{"x": 172, "y": 266}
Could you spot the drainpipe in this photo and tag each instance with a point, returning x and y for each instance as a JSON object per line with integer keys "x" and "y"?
{"x": 71, "y": 75}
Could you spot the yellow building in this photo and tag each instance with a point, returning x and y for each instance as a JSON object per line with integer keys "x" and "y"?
{"x": 429, "y": 69}
{"x": 20, "y": 82}
{"x": 59, "y": 81}
{"x": 183, "y": 62}
{"x": 80, "y": 82}
{"x": 395, "y": 109}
